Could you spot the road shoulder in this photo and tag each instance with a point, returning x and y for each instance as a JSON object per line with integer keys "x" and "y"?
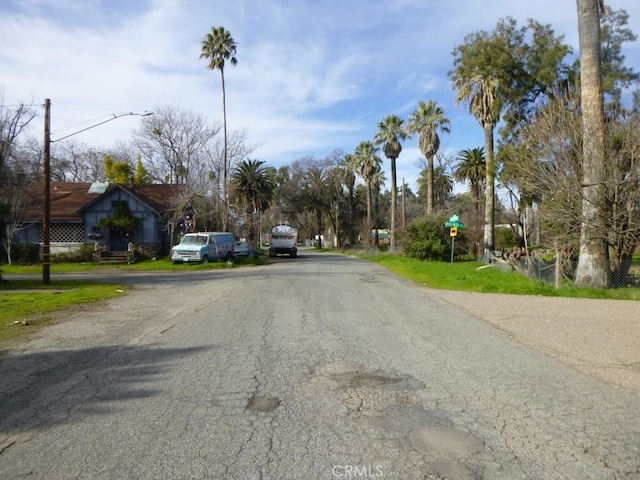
{"x": 597, "y": 337}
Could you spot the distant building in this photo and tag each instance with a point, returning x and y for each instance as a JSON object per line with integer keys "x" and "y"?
{"x": 384, "y": 237}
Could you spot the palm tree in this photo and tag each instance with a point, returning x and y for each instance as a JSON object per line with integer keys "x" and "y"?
{"x": 472, "y": 167}
{"x": 317, "y": 196}
{"x": 593, "y": 261}
{"x": 367, "y": 161}
{"x": 253, "y": 185}
{"x": 485, "y": 104}
{"x": 426, "y": 120}
{"x": 390, "y": 132}
{"x": 442, "y": 186}
{"x": 219, "y": 47}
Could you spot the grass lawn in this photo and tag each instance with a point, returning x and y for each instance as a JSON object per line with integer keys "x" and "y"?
{"x": 26, "y": 305}
{"x": 467, "y": 276}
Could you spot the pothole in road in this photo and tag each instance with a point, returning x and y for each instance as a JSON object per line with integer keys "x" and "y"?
{"x": 351, "y": 375}
{"x": 364, "y": 380}
{"x": 444, "y": 443}
{"x": 263, "y": 404}
{"x": 364, "y": 278}
{"x": 371, "y": 381}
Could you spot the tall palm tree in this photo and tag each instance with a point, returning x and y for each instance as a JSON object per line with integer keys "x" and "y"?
{"x": 317, "y": 195}
{"x": 253, "y": 185}
{"x": 390, "y": 132}
{"x": 593, "y": 261}
{"x": 471, "y": 168}
{"x": 426, "y": 121}
{"x": 219, "y": 47}
{"x": 367, "y": 161}
{"x": 485, "y": 104}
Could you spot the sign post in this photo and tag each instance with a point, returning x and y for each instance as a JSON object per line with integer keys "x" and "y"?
{"x": 454, "y": 224}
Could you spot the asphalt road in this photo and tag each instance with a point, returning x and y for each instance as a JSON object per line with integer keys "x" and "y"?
{"x": 319, "y": 367}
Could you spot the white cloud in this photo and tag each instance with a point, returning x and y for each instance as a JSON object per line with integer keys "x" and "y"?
{"x": 312, "y": 76}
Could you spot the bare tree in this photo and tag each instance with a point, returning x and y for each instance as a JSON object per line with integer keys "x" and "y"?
{"x": 15, "y": 198}
{"x": 13, "y": 122}
{"x": 173, "y": 144}
{"x": 547, "y": 168}
{"x": 76, "y": 162}
{"x": 623, "y": 195}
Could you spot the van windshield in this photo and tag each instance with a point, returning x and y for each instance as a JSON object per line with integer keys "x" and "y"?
{"x": 194, "y": 240}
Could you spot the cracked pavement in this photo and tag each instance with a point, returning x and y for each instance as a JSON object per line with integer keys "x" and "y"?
{"x": 319, "y": 367}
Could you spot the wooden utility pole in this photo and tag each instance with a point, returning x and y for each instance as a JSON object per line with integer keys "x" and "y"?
{"x": 46, "y": 221}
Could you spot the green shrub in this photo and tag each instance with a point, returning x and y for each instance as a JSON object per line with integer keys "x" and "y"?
{"x": 83, "y": 254}
{"x": 505, "y": 239}
{"x": 25, "y": 253}
{"x": 426, "y": 239}
{"x": 86, "y": 252}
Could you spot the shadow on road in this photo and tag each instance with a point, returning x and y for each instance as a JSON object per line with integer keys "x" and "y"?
{"x": 41, "y": 389}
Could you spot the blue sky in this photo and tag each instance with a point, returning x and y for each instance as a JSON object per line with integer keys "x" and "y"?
{"x": 312, "y": 76}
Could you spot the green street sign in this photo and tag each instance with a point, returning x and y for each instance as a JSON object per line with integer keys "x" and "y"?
{"x": 454, "y": 221}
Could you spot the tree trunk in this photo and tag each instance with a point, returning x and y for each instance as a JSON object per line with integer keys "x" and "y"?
{"x": 319, "y": 220}
{"x": 376, "y": 221}
{"x": 557, "y": 274}
{"x": 430, "y": 185}
{"x": 394, "y": 202}
{"x": 225, "y": 212}
{"x": 369, "y": 207}
{"x": 337, "y": 225}
{"x": 351, "y": 232}
{"x": 490, "y": 175}
{"x": 593, "y": 261}
{"x": 251, "y": 217}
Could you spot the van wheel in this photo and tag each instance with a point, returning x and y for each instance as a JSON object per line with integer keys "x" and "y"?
{"x": 205, "y": 259}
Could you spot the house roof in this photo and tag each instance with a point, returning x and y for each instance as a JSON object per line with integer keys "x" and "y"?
{"x": 68, "y": 200}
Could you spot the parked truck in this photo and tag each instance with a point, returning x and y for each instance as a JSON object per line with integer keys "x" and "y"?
{"x": 283, "y": 238}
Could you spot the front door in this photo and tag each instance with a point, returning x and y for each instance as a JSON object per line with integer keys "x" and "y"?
{"x": 118, "y": 242}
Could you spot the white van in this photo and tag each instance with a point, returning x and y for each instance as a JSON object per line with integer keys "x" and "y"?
{"x": 203, "y": 247}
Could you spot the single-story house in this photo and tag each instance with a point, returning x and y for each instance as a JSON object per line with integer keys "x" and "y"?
{"x": 77, "y": 209}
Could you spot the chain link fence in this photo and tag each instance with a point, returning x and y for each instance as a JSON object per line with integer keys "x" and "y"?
{"x": 534, "y": 267}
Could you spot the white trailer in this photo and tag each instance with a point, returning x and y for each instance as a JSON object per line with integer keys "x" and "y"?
{"x": 283, "y": 238}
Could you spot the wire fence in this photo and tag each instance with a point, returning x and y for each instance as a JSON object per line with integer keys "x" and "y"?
{"x": 625, "y": 275}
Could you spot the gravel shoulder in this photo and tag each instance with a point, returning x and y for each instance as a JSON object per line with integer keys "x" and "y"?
{"x": 597, "y": 337}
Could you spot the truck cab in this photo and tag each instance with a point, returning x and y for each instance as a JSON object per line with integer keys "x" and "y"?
{"x": 283, "y": 239}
